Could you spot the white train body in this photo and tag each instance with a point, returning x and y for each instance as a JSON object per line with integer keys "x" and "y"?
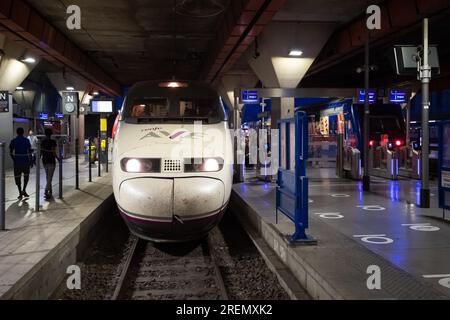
{"x": 172, "y": 175}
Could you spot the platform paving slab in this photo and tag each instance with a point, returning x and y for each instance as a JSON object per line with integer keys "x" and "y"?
{"x": 39, "y": 246}
{"x": 337, "y": 267}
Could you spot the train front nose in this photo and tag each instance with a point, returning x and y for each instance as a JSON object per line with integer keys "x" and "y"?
{"x": 176, "y": 209}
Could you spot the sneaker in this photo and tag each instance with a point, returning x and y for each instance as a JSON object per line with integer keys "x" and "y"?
{"x": 20, "y": 197}
{"x": 25, "y": 194}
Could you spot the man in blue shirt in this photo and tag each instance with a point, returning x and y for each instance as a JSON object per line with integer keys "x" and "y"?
{"x": 20, "y": 151}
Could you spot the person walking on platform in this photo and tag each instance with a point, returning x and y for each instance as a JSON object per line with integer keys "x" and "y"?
{"x": 49, "y": 156}
{"x": 33, "y": 139}
{"x": 20, "y": 151}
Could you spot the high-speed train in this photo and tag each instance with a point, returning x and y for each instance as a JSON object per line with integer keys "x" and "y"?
{"x": 172, "y": 160}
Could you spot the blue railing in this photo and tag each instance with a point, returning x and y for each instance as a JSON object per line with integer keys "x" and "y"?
{"x": 444, "y": 167}
{"x": 292, "y": 184}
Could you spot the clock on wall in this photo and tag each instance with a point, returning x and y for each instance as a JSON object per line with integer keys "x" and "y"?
{"x": 69, "y": 107}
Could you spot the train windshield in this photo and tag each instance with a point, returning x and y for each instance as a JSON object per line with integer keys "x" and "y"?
{"x": 149, "y": 107}
{"x": 183, "y": 110}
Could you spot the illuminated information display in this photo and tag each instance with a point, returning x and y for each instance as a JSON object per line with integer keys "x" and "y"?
{"x": 397, "y": 96}
{"x": 362, "y": 96}
{"x": 101, "y": 106}
{"x": 250, "y": 96}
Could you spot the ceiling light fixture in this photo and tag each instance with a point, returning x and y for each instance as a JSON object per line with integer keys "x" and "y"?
{"x": 19, "y": 88}
{"x": 295, "y": 53}
{"x": 29, "y": 60}
{"x": 70, "y": 89}
{"x": 173, "y": 84}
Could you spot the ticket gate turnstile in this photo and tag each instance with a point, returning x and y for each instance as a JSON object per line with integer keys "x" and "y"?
{"x": 410, "y": 162}
{"x": 348, "y": 161}
{"x": 384, "y": 162}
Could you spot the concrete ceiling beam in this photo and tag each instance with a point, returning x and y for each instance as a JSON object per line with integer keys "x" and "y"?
{"x": 272, "y": 63}
{"x": 22, "y": 23}
{"x": 396, "y": 17}
{"x": 243, "y": 21}
{"x": 12, "y": 71}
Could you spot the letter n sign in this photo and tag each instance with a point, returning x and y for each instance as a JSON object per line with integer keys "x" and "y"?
{"x": 70, "y": 102}
{"x": 4, "y": 101}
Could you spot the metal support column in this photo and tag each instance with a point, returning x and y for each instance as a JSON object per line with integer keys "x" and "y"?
{"x": 60, "y": 167}
{"x": 38, "y": 175}
{"x": 366, "y": 177}
{"x": 99, "y": 154}
{"x": 408, "y": 122}
{"x": 2, "y": 188}
{"x": 89, "y": 159}
{"x": 425, "y": 77}
{"x": 77, "y": 169}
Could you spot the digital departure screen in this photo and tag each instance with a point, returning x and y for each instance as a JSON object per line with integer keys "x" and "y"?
{"x": 101, "y": 106}
{"x": 362, "y": 96}
{"x": 43, "y": 116}
{"x": 250, "y": 96}
{"x": 397, "y": 96}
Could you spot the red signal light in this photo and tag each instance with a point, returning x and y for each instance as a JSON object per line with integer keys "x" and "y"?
{"x": 398, "y": 143}
{"x": 371, "y": 143}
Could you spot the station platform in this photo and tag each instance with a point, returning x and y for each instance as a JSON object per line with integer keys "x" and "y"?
{"x": 355, "y": 230}
{"x": 37, "y": 247}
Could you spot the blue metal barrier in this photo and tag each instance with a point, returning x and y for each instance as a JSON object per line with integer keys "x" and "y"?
{"x": 292, "y": 184}
{"x": 444, "y": 166}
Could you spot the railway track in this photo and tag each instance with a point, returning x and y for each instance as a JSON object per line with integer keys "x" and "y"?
{"x": 170, "y": 272}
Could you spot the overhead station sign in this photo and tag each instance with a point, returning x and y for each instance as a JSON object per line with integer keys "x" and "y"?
{"x": 43, "y": 116}
{"x": 4, "y": 101}
{"x": 362, "y": 96}
{"x": 397, "y": 96}
{"x": 70, "y": 102}
{"x": 250, "y": 96}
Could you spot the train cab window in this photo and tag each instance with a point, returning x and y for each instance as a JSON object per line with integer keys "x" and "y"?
{"x": 200, "y": 108}
{"x": 149, "y": 108}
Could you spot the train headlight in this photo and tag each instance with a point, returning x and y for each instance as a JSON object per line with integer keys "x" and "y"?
{"x": 137, "y": 165}
{"x": 211, "y": 165}
{"x": 133, "y": 165}
{"x": 203, "y": 165}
